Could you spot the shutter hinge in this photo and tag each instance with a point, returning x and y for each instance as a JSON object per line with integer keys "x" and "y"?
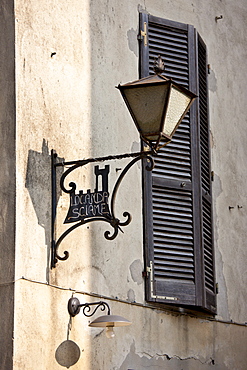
{"x": 217, "y": 288}
{"x": 147, "y": 272}
{"x": 209, "y": 69}
{"x": 149, "y": 269}
{"x": 143, "y": 35}
{"x": 212, "y": 175}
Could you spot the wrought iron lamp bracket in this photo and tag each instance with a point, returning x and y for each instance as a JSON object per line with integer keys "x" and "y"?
{"x": 110, "y": 216}
{"x": 74, "y": 307}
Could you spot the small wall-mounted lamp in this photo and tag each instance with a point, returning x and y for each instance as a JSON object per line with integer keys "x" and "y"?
{"x": 106, "y": 321}
{"x": 157, "y": 105}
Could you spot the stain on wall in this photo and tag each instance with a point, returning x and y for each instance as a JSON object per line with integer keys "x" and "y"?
{"x": 212, "y": 81}
{"x": 132, "y": 37}
{"x": 131, "y": 295}
{"x": 136, "y": 271}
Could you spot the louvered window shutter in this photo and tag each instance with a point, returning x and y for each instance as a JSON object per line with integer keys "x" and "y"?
{"x": 177, "y": 194}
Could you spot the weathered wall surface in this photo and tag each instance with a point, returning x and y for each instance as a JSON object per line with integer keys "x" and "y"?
{"x": 155, "y": 340}
{"x": 69, "y": 58}
{"x": 7, "y": 181}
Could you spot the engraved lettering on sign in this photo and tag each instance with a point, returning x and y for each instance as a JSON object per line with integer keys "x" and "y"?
{"x": 90, "y": 204}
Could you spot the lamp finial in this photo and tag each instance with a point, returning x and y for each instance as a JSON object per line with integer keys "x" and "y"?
{"x": 159, "y": 65}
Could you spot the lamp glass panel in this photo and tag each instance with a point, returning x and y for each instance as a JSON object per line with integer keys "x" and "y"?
{"x": 147, "y": 105}
{"x": 178, "y": 104}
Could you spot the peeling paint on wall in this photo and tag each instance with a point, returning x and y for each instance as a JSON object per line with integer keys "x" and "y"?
{"x": 217, "y": 186}
{"x": 132, "y": 37}
{"x": 131, "y": 295}
{"x": 163, "y": 361}
{"x": 141, "y": 9}
{"x": 212, "y": 81}
{"x": 136, "y": 271}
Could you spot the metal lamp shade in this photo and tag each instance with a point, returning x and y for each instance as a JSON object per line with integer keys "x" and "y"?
{"x": 109, "y": 321}
{"x": 157, "y": 106}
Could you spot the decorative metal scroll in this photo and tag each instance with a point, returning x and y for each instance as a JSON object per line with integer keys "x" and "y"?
{"x": 88, "y": 311}
{"x": 74, "y": 307}
{"x": 92, "y": 205}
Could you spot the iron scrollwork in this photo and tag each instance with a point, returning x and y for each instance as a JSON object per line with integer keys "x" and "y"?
{"x": 108, "y": 213}
{"x": 74, "y": 307}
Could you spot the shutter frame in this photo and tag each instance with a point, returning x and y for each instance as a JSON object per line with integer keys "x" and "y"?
{"x": 146, "y": 178}
{"x": 208, "y": 260}
{"x": 143, "y": 49}
{"x": 157, "y": 291}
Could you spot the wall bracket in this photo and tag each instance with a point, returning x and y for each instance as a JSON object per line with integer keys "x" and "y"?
{"x": 93, "y": 201}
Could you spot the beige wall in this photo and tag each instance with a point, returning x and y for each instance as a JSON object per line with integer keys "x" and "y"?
{"x": 70, "y": 55}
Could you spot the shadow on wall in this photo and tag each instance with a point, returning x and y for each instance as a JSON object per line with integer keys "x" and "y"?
{"x": 38, "y": 184}
{"x": 67, "y": 353}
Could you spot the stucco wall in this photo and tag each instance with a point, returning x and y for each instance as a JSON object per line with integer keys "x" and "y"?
{"x": 69, "y": 58}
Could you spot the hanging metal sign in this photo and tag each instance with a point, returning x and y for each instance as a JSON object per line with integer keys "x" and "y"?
{"x": 90, "y": 204}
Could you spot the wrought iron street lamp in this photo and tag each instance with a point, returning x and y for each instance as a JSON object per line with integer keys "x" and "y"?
{"x": 157, "y": 106}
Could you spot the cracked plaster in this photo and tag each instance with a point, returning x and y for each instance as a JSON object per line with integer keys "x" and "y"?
{"x": 164, "y": 361}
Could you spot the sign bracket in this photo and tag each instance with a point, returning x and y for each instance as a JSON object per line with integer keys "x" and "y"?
{"x": 90, "y": 206}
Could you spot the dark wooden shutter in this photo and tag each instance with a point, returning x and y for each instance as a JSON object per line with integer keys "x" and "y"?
{"x": 172, "y": 192}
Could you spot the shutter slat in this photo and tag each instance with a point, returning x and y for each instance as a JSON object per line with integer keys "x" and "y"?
{"x": 173, "y": 238}
{"x": 172, "y": 45}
